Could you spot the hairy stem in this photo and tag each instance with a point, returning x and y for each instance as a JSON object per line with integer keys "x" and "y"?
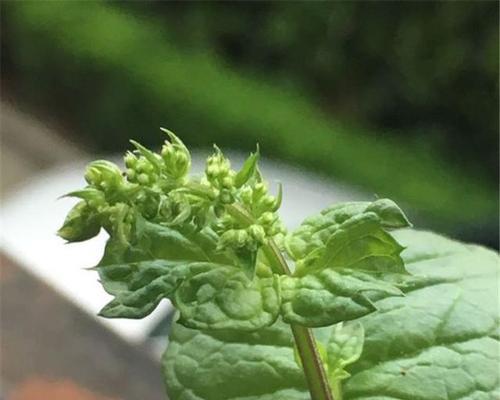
{"x": 304, "y": 338}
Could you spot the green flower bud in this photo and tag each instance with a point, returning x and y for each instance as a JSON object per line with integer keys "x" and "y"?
{"x": 241, "y": 238}
{"x": 246, "y": 194}
{"x": 131, "y": 175}
{"x": 218, "y": 170}
{"x": 227, "y": 182}
{"x": 130, "y": 160}
{"x": 257, "y": 233}
{"x": 260, "y": 189}
{"x": 226, "y": 197}
{"x": 117, "y": 220}
{"x": 176, "y": 157}
{"x": 268, "y": 202}
{"x": 227, "y": 239}
{"x": 267, "y": 218}
{"x": 143, "y": 179}
{"x": 81, "y": 223}
{"x": 103, "y": 174}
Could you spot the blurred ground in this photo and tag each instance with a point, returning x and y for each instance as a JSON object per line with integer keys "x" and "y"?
{"x": 48, "y": 344}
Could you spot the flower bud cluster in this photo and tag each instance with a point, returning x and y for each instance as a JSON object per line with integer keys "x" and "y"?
{"x": 220, "y": 177}
{"x": 253, "y": 197}
{"x": 250, "y": 238}
{"x": 104, "y": 176}
{"x": 176, "y": 158}
{"x": 140, "y": 170}
{"x": 156, "y": 187}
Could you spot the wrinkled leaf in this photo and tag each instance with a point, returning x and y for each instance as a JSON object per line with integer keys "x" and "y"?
{"x": 328, "y": 297}
{"x": 344, "y": 347}
{"x": 219, "y": 365}
{"x": 439, "y": 342}
{"x": 315, "y": 231}
{"x": 208, "y": 289}
{"x": 222, "y": 298}
{"x": 352, "y": 263}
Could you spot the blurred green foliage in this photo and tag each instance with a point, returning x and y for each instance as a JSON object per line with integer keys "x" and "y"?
{"x": 425, "y": 70}
{"x": 112, "y": 76}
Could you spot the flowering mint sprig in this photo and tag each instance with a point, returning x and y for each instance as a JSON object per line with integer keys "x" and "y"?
{"x": 216, "y": 247}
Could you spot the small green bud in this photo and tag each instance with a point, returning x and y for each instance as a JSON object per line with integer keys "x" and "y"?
{"x": 131, "y": 175}
{"x": 267, "y": 218}
{"x": 268, "y": 202}
{"x": 218, "y": 170}
{"x": 81, "y": 224}
{"x": 226, "y": 196}
{"x": 260, "y": 189}
{"x": 241, "y": 238}
{"x": 227, "y": 239}
{"x": 143, "y": 179}
{"x": 176, "y": 157}
{"x": 103, "y": 175}
{"x": 93, "y": 176}
{"x": 257, "y": 233}
{"x": 130, "y": 160}
{"x": 246, "y": 194}
{"x": 227, "y": 182}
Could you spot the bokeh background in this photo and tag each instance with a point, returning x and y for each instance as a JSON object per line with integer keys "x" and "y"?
{"x": 387, "y": 99}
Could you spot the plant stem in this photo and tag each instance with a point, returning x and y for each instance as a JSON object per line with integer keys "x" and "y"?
{"x": 304, "y": 338}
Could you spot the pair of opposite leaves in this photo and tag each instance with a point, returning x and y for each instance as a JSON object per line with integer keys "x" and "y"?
{"x": 345, "y": 259}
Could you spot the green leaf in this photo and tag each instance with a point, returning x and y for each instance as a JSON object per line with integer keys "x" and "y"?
{"x": 344, "y": 347}
{"x": 315, "y": 231}
{"x": 224, "y": 298}
{"x": 208, "y": 289}
{"x": 138, "y": 287}
{"x": 221, "y": 365}
{"x": 439, "y": 342}
{"x": 353, "y": 262}
{"x": 328, "y": 297}
{"x": 247, "y": 170}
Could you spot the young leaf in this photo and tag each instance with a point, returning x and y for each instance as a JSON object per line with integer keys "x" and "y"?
{"x": 344, "y": 347}
{"x": 224, "y": 298}
{"x": 316, "y": 230}
{"x": 248, "y": 169}
{"x": 353, "y": 262}
{"x": 439, "y": 342}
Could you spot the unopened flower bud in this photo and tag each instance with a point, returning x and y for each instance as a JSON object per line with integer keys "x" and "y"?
{"x": 82, "y": 223}
{"x": 176, "y": 157}
{"x": 143, "y": 179}
{"x": 260, "y": 189}
{"x": 241, "y": 237}
{"x": 130, "y": 160}
{"x": 267, "y": 218}
{"x": 257, "y": 233}
{"x": 103, "y": 174}
{"x": 226, "y": 197}
{"x": 268, "y": 201}
{"x": 246, "y": 194}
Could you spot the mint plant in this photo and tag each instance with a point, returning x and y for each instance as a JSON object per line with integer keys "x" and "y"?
{"x": 351, "y": 305}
